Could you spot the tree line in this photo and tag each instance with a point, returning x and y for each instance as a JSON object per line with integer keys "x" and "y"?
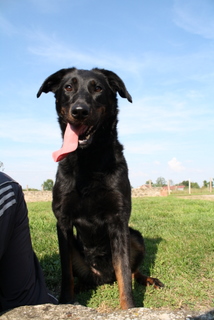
{"x": 161, "y": 182}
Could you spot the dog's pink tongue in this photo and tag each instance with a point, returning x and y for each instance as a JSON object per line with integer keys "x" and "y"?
{"x": 70, "y": 143}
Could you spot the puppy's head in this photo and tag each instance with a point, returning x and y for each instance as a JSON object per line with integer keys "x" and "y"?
{"x": 85, "y": 99}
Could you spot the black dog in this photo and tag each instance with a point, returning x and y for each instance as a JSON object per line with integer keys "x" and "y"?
{"x": 92, "y": 191}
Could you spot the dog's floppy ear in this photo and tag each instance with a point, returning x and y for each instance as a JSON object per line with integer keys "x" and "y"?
{"x": 53, "y": 81}
{"x": 115, "y": 83}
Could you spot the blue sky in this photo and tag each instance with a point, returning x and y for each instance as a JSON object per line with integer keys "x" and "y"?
{"x": 163, "y": 51}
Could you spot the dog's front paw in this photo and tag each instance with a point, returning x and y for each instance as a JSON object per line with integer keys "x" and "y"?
{"x": 154, "y": 282}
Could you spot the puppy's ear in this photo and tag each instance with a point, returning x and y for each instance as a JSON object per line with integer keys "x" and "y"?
{"x": 53, "y": 81}
{"x": 116, "y": 83}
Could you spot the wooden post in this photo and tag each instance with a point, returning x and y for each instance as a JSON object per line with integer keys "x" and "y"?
{"x": 210, "y": 185}
{"x": 168, "y": 187}
{"x": 189, "y": 186}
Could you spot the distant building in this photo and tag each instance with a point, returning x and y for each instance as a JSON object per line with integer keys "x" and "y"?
{"x": 175, "y": 188}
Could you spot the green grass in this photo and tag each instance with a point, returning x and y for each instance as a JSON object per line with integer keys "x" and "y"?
{"x": 179, "y": 237}
{"x": 194, "y": 191}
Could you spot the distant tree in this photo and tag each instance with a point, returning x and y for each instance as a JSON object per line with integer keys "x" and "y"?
{"x": 160, "y": 182}
{"x": 193, "y": 184}
{"x": 48, "y": 185}
{"x": 185, "y": 183}
{"x": 205, "y": 183}
{"x": 148, "y": 181}
{"x": 1, "y": 166}
{"x": 171, "y": 183}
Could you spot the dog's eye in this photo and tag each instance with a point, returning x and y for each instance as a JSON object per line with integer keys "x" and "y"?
{"x": 98, "y": 89}
{"x": 69, "y": 87}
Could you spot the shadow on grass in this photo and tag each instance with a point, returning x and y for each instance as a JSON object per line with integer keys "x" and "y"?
{"x": 50, "y": 265}
{"x": 139, "y": 291}
{"x": 52, "y": 271}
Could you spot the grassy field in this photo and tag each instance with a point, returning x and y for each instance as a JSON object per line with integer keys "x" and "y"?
{"x": 194, "y": 191}
{"x": 179, "y": 236}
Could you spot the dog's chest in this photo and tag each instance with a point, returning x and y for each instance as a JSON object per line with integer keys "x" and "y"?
{"x": 94, "y": 238}
{"x": 94, "y": 206}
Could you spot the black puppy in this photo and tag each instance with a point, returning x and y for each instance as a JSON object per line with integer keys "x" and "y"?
{"x": 92, "y": 192}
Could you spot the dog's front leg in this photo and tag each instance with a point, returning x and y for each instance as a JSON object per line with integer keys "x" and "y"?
{"x": 120, "y": 247}
{"x": 67, "y": 282}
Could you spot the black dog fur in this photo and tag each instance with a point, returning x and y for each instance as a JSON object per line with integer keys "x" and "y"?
{"x": 92, "y": 192}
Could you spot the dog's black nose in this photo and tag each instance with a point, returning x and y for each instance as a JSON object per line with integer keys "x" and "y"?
{"x": 80, "y": 112}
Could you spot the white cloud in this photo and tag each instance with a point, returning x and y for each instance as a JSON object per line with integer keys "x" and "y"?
{"x": 53, "y": 49}
{"x": 48, "y": 6}
{"x": 175, "y": 165}
{"x": 7, "y": 27}
{"x": 29, "y": 130}
{"x": 195, "y": 16}
{"x": 145, "y": 148}
{"x": 167, "y": 113}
